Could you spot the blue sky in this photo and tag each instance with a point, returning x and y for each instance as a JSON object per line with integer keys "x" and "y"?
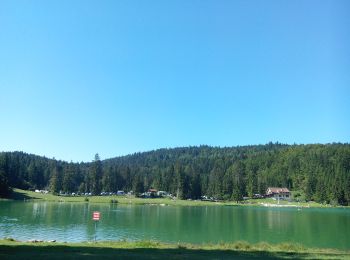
{"x": 118, "y": 77}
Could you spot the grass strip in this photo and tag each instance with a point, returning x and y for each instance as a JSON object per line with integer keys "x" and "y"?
{"x": 10, "y": 249}
{"x": 24, "y": 195}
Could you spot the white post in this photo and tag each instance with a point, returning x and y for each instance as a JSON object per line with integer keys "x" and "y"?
{"x": 95, "y": 230}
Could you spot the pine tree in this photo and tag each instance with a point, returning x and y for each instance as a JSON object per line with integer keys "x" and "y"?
{"x": 196, "y": 189}
{"x": 237, "y": 170}
{"x": 96, "y": 175}
{"x": 179, "y": 181}
{"x": 4, "y": 184}
{"x": 55, "y": 181}
{"x": 68, "y": 180}
{"x": 138, "y": 187}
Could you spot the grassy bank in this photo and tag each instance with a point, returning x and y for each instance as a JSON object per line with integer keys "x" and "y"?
{"x": 30, "y": 195}
{"x": 155, "y": 250}
{"x": 271, "y": 202}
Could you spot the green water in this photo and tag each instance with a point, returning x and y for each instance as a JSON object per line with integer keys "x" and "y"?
{"x": 325, "y": 228}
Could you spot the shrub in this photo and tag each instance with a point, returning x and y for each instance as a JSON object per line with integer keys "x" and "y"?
{"x": 182, "y": 247}
{"x": 241, "y": 245}
{"x": 294, "y": 247}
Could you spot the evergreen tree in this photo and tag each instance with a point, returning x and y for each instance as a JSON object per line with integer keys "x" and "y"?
{"x": 96, "y": 175}
{"x": 128, "y": 179}
{"x": 138, "y": 187}
{"x": 196, "y": 190}
{"x": 4, "y": 184}
{"x": 179, "y": 181}
{"x": 251, "y": 184}
{"x": 238, "y": 170}
{"x": 55, "y": 181}
{"x": 68, "y": 180}
{"x": 107, "y": 177}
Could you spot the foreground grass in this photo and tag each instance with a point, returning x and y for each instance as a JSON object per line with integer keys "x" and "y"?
{"x": 30, "y": 195}
{"x": 154, "y": 250}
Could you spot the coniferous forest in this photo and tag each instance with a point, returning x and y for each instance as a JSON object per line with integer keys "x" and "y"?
{"x": 320, "y": 171}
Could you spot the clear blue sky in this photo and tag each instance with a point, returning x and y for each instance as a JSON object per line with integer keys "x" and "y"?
{"x": 117, "y": 77}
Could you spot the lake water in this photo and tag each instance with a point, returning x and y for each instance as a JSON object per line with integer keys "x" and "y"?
{"x": 73, "y": 222}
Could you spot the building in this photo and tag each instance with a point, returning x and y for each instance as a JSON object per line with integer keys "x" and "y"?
{"x": 151, "y": 193}
{"x": 161, "y": 193}
{"x": 278, "y": 193}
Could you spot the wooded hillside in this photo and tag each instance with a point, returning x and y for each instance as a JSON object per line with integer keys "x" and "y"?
{"x": 322, "y": 172}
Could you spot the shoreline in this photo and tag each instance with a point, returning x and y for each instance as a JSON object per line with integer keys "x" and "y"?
{"x": 10, "y": 248}
{"x": 27, "y": 196}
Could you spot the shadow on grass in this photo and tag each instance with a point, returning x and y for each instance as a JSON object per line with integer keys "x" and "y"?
{"x": 82, "y": 252}
{"x": 20, "y": 196}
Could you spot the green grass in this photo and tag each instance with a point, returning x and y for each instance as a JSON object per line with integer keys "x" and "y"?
{"x": 30, "y": 195}
{"x": 155, "y": 250}
{"x": 269, "y": 201}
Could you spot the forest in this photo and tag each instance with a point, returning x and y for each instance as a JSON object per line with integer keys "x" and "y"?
{"x": 320, "y": 171}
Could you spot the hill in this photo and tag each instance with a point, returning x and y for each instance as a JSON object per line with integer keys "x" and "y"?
{"x": 319, "y": 171}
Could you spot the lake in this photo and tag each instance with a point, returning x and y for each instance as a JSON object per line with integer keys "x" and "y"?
{"x": 72, "y": 222}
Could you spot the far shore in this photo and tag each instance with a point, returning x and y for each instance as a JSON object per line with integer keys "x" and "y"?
{"x": 25, "y": 195}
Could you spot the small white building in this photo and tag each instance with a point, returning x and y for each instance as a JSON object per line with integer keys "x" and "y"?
{"x": 278, "y": 193}
{"x": 42, "y": 191}
{"x": 161, "y": 193}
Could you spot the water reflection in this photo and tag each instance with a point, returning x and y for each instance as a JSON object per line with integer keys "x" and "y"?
{"x": 73, "y": 222}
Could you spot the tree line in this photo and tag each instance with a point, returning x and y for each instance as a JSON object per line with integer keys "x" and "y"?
{"x": 320, "y": 171}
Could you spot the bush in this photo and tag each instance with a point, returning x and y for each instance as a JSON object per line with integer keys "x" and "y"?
{"x": 86, "y": 199}
{"x": 241, "y": 245}
{"x": 182, "y": 247}
{"x": 334, "y": 203}
{"x": 293, "y": 247}
{"x": 226, "y": 197}
{"x": 263, "y": 246}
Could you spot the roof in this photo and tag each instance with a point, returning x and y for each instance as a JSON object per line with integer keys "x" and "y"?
{"x": 277, "y": 189}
